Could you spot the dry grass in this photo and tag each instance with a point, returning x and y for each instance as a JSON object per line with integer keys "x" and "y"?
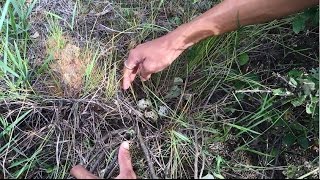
{"x": 75, "y": 112}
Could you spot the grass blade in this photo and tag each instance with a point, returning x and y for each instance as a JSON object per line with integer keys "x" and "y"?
{"x": 74, "y": 15}
{"x": 181, "y": 136}
{"x": 4, "y": 13}
{"x": 244, "y": 129}
{"x": 5, "y": 68}
{"x": 11, "y": 126}
{"x": 31, "y": 6}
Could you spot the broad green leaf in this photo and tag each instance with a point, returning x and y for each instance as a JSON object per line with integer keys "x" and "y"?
{"x": 177, "y": 81}
{"x": 315, "y": 73}
{"x": 303, "y": 142}
{"x": 295, "y": 73}
{"x": 298, "y": 101}
{"x": 289, "y": 139}
{"x": 174, "y": 92}
{"x": 310, "y": 107}
{"x": 315, "y": 18}
{"x": 297, "y": 126}
{"x": 293, "y": 82}
{"x": 314, "y": 99}
{"x": 298, "y": 24}
{"x": 243, "y": 59}
{"x": 291, "y": 171}
{"x": 278, "y": 92}
{"x": 313, "y": 15}
{"x": 240, "y": 96}
{"x": 275, "y": 152}
{"x": 239, "y": 85}
{"x": 252, "y": 77}
{"x": 308, "y": 86}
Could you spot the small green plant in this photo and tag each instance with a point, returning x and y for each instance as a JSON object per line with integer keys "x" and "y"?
{"x": 304, "y": 90}
{"x": 309, "y": 15}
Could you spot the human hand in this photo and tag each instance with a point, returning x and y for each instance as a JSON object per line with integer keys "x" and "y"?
{"x": 125, "y": 165}
{"x": 150, "y": 57}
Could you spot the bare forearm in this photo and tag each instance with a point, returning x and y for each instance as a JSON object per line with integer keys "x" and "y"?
{"x": 154, "y": 56}
{"x": 230, "y": 14}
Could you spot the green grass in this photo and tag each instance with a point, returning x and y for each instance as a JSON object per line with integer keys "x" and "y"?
{"x": 224, "y": 119}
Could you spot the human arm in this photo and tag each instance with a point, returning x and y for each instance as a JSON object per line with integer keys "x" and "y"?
{"x": 156, "y": 55}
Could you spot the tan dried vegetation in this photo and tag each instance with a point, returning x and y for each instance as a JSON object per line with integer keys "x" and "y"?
{"x": 68, "y": 65}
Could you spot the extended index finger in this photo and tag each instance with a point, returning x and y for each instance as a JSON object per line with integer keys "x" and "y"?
{"x": 126, "y": 82}
{"x": 133, "y": 65}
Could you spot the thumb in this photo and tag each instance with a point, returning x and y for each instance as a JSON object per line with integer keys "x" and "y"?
{"x": 79, "y": 172}
{"x": 124, "y": 159}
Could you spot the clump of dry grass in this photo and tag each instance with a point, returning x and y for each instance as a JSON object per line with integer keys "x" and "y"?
{"x": 69, "y": 66}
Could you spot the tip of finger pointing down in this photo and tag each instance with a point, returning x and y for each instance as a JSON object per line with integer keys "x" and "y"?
{"x": 126, "y": 145}
{"x": 125, "y": 85}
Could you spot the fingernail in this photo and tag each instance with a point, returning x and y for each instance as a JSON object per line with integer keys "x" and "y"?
{"x": 126, "y": 145}
{"x": 125, "y": 86}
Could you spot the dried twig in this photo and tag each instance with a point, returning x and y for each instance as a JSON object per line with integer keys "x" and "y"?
{"x": 106, "y": 10}
{"x": 254, "y": 91}
{"x": 97, "y": 162}
{"x": 112, "y": 165}
{"x": 196, "y": 158}
{"x": 146, "y": 153}
{"x": 283, "y": 79}
{"x": 108, "y": 135}
{"x": 112, "y": 171}
{"x": 203, "y": 164}
{"x": 102, "y": 27}
{"x": 203, "y": 157}
{"x": 309, "y": 173}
